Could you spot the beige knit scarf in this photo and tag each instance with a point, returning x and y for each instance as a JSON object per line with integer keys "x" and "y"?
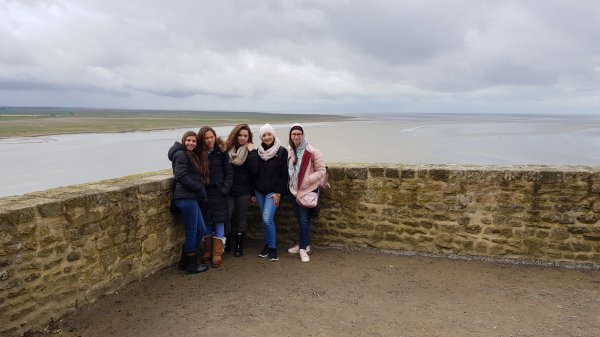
{"x": 238, "y": 157}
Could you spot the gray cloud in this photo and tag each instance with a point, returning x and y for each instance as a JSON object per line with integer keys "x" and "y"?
{"x": 291, "y": 55}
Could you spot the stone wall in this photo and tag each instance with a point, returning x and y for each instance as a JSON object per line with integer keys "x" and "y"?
{"x": 540, "y": 213}
{"x": 64, "y": 247}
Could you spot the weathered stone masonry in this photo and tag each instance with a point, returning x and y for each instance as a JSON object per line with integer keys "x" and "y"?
{"x": 64, "y": 247}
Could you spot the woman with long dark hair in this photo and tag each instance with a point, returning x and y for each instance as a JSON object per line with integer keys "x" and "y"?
{"x": 188, "y": 188}
{"x": 243, "y": 158}
{"x": 218, "y": 177}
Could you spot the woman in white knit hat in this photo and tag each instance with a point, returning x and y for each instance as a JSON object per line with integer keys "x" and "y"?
{"x": 270, "y": 184}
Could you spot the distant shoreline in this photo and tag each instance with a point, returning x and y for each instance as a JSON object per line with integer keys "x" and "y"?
{"x": 25, "y": 122}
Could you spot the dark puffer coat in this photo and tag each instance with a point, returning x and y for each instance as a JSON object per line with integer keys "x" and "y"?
{"x": 221, "y": 178}
{"x": 188, "y": 183}
{"x": 242, "y": 176}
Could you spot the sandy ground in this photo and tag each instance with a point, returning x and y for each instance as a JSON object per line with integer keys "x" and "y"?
{"x": 348, "y": 293}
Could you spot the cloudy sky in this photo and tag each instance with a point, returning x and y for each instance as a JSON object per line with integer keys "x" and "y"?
{"x": 540, "y": 56}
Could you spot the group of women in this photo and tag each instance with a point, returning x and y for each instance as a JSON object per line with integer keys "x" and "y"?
{"x": 215, "y": 182}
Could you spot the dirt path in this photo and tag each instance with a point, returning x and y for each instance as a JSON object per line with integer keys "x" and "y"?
{"x": 342, "y": 293}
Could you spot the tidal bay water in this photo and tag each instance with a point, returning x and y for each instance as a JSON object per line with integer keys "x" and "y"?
{"x": 37, "y": 163}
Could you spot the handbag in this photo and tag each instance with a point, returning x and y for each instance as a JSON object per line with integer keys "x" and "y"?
{"x": 309, "y": 200}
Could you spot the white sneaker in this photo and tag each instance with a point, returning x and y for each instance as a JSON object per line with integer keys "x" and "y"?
{"x": 296, "y": 249}
{"x": 304, "y": 255}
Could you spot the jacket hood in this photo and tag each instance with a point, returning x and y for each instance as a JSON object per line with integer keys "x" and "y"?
{"x": 176, "y": 147}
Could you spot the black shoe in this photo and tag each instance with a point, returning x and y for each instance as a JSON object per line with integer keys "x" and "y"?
{"x": 264, "y": 252}
{"x": 273, "y": 254}
{"x": 239, "y": 244}
{"x": 193, "y": 267}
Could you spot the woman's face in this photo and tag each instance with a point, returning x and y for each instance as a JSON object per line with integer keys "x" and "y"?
{"x": 190, "y": 143}
{"x": 297, "y": 137}
{"x": 268, "y": 138}
{"x": 242, "y": 138}
{"x": 209, "y": 139}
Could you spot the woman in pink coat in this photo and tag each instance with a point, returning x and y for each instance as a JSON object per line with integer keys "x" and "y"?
{"x": 306, "y": 170}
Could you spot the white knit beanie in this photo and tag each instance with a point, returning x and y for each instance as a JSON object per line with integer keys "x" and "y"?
{"x": 266, "y": 128}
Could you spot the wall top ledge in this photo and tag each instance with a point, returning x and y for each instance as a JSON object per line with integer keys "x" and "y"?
{"x": 33, "y": 199}
{"x": 12, "y": 203}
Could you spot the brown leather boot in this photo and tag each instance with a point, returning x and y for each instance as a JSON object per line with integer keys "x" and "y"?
{"x": 217, "y": 251}
{"x": 206, "y": 250}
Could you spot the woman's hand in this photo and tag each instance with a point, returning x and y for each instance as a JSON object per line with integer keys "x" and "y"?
{"x": 250, "y": 146}
{"x": 276, "y": 197}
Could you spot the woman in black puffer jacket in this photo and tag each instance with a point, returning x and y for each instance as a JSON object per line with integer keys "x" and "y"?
{"x": 188, "y": 188}
{"x": 218, "y": 177}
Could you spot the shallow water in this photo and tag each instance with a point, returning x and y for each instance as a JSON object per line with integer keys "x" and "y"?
{"x": 38, "y": 163}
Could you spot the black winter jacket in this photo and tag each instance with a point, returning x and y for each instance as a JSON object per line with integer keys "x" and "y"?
{"x": 221, "y": 179}
{"x": 272, "y": 174}
{"x": 188, "y": 183}
{"x": 243, "y": 182}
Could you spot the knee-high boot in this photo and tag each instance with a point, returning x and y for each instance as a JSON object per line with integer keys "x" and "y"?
{"x": 206, "y": 250}
{"x": 217, "y": 251}
{"x": 239, "y": 244}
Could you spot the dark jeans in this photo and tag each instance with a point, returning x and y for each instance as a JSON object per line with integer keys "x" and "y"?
{"x": 303, "y": 216}
{"x": 237, "y": 206}
{"x": 192, "y": 222}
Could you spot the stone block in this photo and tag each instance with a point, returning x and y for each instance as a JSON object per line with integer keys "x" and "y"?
{"x": 149, "y": 187}
{"x": 51, "y": 209}
{"x": 592, "y": 234}
{"x": 10, "y": 218}
{"x": 377, "y": 172}
{"x": 559, "y": 234}
{"x": 392, "y": 173}
{"x": 357, "y": 173}
{"x": 588, "y": 219}
{"x": 581, "y": 247}
{"x": 550, "y": 177}
{"x": 74, "y": 256}
{"x": 104, "y": 242}
{"x": 150, "y": 244}
{"x": 439, "y": 174}
{"x": 109, "y": 256}
{"x": 407, "y": 173}
{"x": 444, "y": 241}
{"x": 473, "y": 229}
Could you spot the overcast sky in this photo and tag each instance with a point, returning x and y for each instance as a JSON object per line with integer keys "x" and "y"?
{"x": 520, "y": 56}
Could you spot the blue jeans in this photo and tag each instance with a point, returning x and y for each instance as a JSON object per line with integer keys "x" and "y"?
{"x": 303, "y": 216}
{"x": 218, "y": 231}
{"x": 267, "y": 209}
{"x": 192, "y": 222}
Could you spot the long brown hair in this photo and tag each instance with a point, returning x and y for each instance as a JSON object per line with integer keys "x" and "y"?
{"x": 232, "y": 138}
{"x": 193, "y": 156}
{"x": 202, "y": 151}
